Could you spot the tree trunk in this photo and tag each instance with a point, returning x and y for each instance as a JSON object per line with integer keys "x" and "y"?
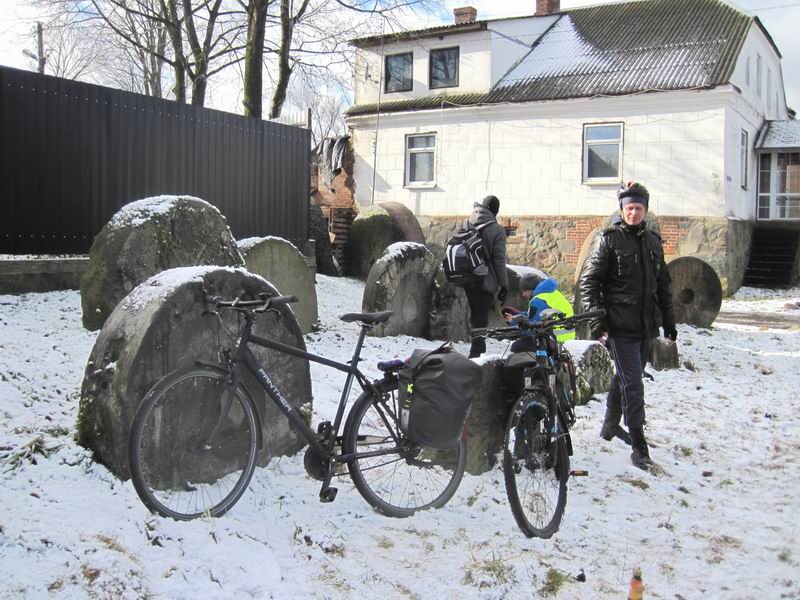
{"x": 284, "y": 66}
{"x": 254, "y": 58}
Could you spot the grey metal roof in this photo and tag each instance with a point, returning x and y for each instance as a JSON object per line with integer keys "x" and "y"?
{"x": 618, "y": 49}
{"x": 779, "y": 135}
{"x": 416, "y": 34}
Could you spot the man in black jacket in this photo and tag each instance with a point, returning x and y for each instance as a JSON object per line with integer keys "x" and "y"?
{"x": 480, "y": 296}
{"x": 626, "y": 275}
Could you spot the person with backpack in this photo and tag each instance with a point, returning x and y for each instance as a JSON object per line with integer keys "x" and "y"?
{"x": 544, "y": 295}
{"x": 626, "y": 275}
{"x": 481, "y": 292}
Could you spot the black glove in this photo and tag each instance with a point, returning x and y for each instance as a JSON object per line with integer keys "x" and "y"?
{"x": 501, "y": 295}
{"x": 670, "y": 332}
{"x": 598, "y": 330}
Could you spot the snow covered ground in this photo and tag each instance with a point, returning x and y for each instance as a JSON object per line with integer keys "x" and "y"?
{"x": 721, "y": 522}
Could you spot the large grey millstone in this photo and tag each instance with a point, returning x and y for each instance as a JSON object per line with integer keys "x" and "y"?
{"x": 594, "y": 368}
{"x": 161, "y": 326}
{"x": 282, "y": 264}
{"x": 696, "y": 291}
{"x": 401, "y": 281}
{"x": 374, "y": 229}
{"x": 146, "y": 237}
{"x": 487, "y": 418}
{"x": 449, "y": 314}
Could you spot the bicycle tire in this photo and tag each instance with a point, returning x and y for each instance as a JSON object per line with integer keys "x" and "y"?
{"x": 407, "y": 479}
{"x": 181, "y": 449}
{"x": 536, "y": 484}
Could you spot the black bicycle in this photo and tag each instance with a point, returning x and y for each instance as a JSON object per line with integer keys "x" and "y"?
{"x": 537, "y": 444}
{"x": 196, "y": 436}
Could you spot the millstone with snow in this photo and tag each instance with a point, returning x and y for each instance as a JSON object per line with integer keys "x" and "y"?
{"x": 594, "y": 368}
{"x": 376, "y": 228}
{"x": 487, "y": 418}
{"x": 161, "y": 326}
{"x": 146, "y": 237}
{"x": 449, "y": 314}
{"x": 401, "y": 281}
{"x": 282, "y": 264}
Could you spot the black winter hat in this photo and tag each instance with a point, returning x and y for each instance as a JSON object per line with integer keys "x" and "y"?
{"x": 492, "y": 203}
{"x": 633, "y": 192}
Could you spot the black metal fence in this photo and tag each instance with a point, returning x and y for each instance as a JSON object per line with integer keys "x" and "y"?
{"x": 72, "y": 154}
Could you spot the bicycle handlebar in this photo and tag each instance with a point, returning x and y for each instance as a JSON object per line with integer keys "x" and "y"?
{"x": 264, "y": 303}
{"x": 543, "y": 326}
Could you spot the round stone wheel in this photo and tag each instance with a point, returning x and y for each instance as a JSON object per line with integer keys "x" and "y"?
{"x": 696, "y": 291}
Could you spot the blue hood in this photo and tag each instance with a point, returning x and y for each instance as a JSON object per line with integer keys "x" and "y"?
{"x": 547, "y": 285}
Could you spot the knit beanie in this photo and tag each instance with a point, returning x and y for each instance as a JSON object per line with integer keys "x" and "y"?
{"x": 491, "y": 203}
{"x": 633, "y": 192}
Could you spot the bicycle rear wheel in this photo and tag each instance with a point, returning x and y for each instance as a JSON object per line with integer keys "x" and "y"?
{"x": 193, "y": 444}
{"x": 536, "y": 469}
{"x": 393, "y": 475}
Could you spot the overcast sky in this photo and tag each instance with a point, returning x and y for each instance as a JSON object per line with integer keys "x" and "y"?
{"x": 780, "y": 17}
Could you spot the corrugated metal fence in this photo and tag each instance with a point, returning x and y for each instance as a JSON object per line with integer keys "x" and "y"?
{"x": 71, "y": 154}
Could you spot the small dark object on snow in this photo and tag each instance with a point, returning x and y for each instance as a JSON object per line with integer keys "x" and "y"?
{"x": 769, "y": 416}
{"x": 688, "y": 364}
{"x": 581, "y": 577}
{"x": 707, "y": 473}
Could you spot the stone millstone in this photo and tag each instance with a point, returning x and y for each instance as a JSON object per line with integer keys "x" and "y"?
{"x": 696, "y": 291}
{"x": 664, "y": 355}
{"x": 487, "y": 418}
{"x": 594, "y": 368}
{"x": 449, "y": 314}
{"x": 282, "y": 264}
{"x": 376, "y": 228}
{"x": 401, "y": 281}
{"x": 161, "y": 326}
{"x": 146, "y": 237}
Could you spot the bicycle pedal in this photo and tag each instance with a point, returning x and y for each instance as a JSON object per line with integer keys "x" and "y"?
{"x": 328, "y": 494}
{"x": 579, "y": 473}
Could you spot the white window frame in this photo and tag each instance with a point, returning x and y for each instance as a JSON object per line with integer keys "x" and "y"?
{"x": 620, "y": 140}
{"x": 744, "y": 157}
{"x": 407, "y": 182}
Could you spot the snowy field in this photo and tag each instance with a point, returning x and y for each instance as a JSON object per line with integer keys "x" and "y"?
{"x": 720, "y": 522}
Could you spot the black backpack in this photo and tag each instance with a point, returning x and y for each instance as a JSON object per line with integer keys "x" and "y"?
{"x": 435, "y": 391}
{"x": 465, "y": 258}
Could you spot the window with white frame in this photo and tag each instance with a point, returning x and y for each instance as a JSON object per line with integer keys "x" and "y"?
{"x": 420, "y": 160}
{"x": 444, "y": 67}
{"x": 399, "y": 72}
{"x": 758, "y": 75}
{"x": 602, "y": 152}
{"x": 743, "y": 157}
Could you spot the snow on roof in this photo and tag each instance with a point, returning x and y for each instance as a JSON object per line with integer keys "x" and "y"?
{"x": 780, "y": 134}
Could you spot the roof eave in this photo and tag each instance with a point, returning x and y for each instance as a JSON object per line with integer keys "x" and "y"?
{"x": 447, "y": 30}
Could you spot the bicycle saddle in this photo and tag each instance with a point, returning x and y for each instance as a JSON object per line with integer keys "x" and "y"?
{"x": 368, "y": 318}
{"x": 520, "y": 359}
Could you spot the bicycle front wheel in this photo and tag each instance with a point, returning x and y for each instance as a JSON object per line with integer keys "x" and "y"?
{"x": 193, "y": 444}
{"x": 536, "y": 468}
{"x": 395, "y": 476}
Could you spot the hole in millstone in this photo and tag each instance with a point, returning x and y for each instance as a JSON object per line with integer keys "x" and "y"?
{"x": 686, "y": 296}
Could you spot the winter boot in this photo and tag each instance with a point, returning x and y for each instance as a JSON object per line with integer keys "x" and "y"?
{"x": 478, "y": 347}
{"x": 640, "y": 457}
{"x": 612, "y": 429}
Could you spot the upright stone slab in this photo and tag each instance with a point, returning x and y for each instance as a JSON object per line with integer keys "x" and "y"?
{"x": 282, "y": 264}
{"x": 664, "y": 355}
{"x": 401, "y": 281}
{"x": 161, "y": 326}
{"x": 374, "y": 229}
{"x": 487, "y": 418}
{"x": 696, "y": 291}
{"x": 146, "y": 237}
{"x": 594, "y": 368}
{"x": 449, "y": 313}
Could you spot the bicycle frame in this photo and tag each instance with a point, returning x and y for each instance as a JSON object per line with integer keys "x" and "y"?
{"x": 243, "y": 355}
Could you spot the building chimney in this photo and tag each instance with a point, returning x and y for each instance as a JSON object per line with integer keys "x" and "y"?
{"x": 547, "y": 7}
{"x": 465, "y": 14}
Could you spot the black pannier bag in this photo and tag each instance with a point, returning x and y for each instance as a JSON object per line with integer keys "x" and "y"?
{"x": 436, "y": 389}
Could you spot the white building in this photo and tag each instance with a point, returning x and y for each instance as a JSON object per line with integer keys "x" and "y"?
{"x": 552, "y": 112}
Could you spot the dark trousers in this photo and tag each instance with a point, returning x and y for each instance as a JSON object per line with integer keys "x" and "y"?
{"x": 480, "y": 303}
{"x": 626, "y": 391}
